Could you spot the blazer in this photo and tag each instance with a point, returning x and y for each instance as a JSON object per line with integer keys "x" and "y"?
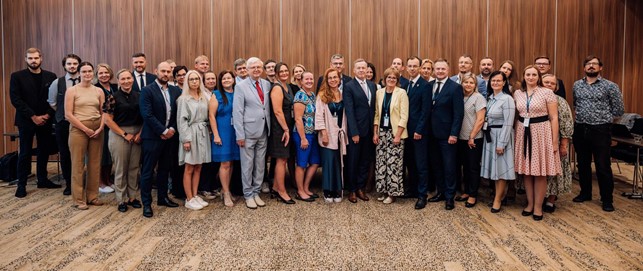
{"x": 359, "y": 113}
{"x": 345, "y": 79}
{"x": 420, "y": 104}
{"x": 153, "y": 110}
{"x": 447, "y": 110}
{"x": 324, "y": 120}
{"x": 399, "y": 110}
{"x": 30, "y": 99}
{"x": 149, "y": 78}
{"x": 249, "y": 115}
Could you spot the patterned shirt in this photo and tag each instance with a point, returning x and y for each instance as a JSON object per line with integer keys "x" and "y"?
{"x": 597, "y": 103}
{"x": 309, "y": 113}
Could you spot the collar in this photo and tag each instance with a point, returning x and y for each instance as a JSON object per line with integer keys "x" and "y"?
{"x": 68, "y": 76}
{"x": 415, "y": 80}
{"x": 443, "y": 80}
{"x": 161, "y": 86}
{"x": 137, "y": 74}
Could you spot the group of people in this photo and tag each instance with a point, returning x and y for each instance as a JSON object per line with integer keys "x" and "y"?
{"x": 424, "y": 133}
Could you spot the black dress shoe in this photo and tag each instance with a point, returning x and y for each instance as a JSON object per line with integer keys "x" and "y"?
{"x": 494, "y": 210}
{"x": 527, "y": 213}
{"x": 67, "y": 191}
{"x": 461, "y": 198}
{"x": 581, "y": 198}
{"x": 470, "y": 205}
{"x": 549, "y": 209}
{"x": 608, "y": 207}
{"x": 135, "y": 204}
{"x": 21, "y": 192}
{"x": 449, "y": 204}
{"x": 309, "y": 199}
{"x": 437, "y": 197}
{"x": 538, "y": 217}
{"x": 421, "y": 203}
{"x": 122, "y": 207}
{"x": 48, "y": 184}
{"x": 314, "y": 196}
{"x": 167, "y": 202}
{"x": 147, "y": 211}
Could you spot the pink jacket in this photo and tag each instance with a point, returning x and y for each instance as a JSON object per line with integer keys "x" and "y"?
{"x": 324, "y": 121}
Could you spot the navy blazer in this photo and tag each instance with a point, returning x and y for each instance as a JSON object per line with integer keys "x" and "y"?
{"x": 359, "y": 114}
{"x": 149, "y": 78}
{"x": 152, "y": 105}
{"x": 420, "y": 104}
{"x": 30, "y": 99}
{"x": 447, "y": 110}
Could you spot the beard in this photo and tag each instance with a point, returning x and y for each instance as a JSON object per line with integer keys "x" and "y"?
{"x": 34, "y": 66}
{"x": 485, "y": 72}
{"x": 591, "y": 74}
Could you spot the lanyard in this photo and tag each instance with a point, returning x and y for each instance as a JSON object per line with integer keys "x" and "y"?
{"x": 529, "y": 99}
{"x": 387, "y": 103}
{"x": 489, "y": 105}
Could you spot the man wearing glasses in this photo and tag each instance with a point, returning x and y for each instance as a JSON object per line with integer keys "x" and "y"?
{"x": 337, "y": 62}
{"x": 596, "y": 101}
{"x": 543, "y": 65}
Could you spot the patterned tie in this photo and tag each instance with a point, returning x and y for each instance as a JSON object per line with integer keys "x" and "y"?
{"x": 259, "y": 91}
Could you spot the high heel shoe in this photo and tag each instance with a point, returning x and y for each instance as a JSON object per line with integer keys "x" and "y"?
{"x": 470, "y": 205}
{"x": 494, "y": 210}
{"x": 527, "y": 213}
{"x": 309, "y": 199}
{"x": 275, "y": 194}
{"x": 538, "y": 217}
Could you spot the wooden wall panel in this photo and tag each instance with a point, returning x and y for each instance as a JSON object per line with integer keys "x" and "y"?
{"x": 632, "y": 95}
{"x": 450, "y": 29}
{"x": 382, "y": 30}
{"x": 176, "y": 29}
{"x": 44, "y": 24}
{"x": 245, "y": 29}
{"x": 312, "y": 31}
{"x": 108, "y": 31}
{"x": 589, "y": 27}
{"x": 520, "y": 31}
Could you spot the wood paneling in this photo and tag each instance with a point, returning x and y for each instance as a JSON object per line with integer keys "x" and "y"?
{"x": 450, "y": 29}
{"x": 589, "y": 28}
{"x": 176, "y": 29}
{"x": 44, "y": 24}
{"x": 312, "y": 31}
{"x": 632, "y": 95}
{"x": 108, "y": 31}
{"x": 245, "y": 29}
{"x": 382, "y": 30}
{"x": 521, "y": 30}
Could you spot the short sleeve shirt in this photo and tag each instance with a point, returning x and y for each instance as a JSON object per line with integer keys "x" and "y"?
{"x": 309, "y": 112}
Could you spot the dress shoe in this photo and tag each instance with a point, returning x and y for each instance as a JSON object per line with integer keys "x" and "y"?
{"x": 135, "y": 204}
{"x": 581, "y": 198}
{"x": 67, "y": 191}
{"x": 48, "y": 184}
{"x": 437, "y": 197}
{"x": 282, "y": 199}
{"x": 258, "y": 201}
{"x": 168, "y": 203}
{"x": 470, "y": 205}
{"x": 352, "y": 197}
{"x": 449, "y": 204}
{"x": 81, "y": 206}
{"x": 122, "y": 207}
{"x": 420, "y": 203}
{"x": 361, "y": 195}
{"x": 314, "y": 196}
{"x": 608, "y": 207}
{"x": 549, "y": 209}
{"x": 251, "y": 204}
{"x": 495, "y": 211}
{"x": 309, "y": 199}
{"x": 147, "y": 211}
{"x": 95, "y": 202}
{"x": 527, "y": 213}
{"x": 21, "y": 192}
{"x": 538, "y": 217}
{"x": 461, "y": 198}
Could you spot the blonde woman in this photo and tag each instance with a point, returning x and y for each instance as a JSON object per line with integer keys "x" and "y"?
{"x": 297, "y": 72}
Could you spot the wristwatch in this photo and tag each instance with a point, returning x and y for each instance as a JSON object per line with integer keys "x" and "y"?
{"x": 125, "y": 134}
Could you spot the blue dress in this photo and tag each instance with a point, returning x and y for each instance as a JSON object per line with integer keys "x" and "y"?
{"x": 228, "y": 150}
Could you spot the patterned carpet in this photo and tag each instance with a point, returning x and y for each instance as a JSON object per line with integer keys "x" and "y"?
{"x": 43, "y": 232}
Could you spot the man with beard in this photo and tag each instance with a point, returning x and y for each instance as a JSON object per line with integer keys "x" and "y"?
{"x": 486, "y": 67}
{"x": 596, "y": 101}
{"x": 158, "y": 108}
{"x": 543, "y": 65}
{"x": 141, "y": 78}
{"x": 28, "y": 91}
{"x": 57, "y": 102}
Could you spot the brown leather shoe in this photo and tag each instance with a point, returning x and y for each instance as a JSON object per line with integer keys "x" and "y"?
{"x": 361, "y": 195}
{"x": 352, "y": 198}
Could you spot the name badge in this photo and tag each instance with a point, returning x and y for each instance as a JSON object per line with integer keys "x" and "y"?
{"x": 386, "y": 119}
{"x": 485, "y": 126}
{"x": 231, "y": 122}
{"x": 526, "y": 122}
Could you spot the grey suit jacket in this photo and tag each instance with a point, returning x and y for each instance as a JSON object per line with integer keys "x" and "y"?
{"x": 249, "y": 115}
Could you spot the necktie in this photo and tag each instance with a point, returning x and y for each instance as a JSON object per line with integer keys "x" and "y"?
{"x": 259, "y": 91}
{"x": 74, "y": 81}
{"x": 141, "y": 82}
{"x": 366, "y": 92}
{"x": 437, "y": 90}
{"x": 410, "y": 87}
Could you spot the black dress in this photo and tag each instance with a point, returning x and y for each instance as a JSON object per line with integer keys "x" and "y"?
{"x": 276, "y": 148}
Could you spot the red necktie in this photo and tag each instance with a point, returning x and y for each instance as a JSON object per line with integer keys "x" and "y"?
{"x": 259, "y": 91}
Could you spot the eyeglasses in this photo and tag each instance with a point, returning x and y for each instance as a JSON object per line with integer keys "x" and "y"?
{"x": 194, "y": 79}
{"x": 592, "y": 64}
{"x": 541, "y": 64}
{"x": 180, "y": 75}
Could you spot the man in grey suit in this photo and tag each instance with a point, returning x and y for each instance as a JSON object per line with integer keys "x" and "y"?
{"x": 251, "y": 118}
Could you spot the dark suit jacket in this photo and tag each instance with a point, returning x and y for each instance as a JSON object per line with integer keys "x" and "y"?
{"x": 149, "y": 78}
{"x": 359, "y": 114}
{"x": 420, "y": 104}
{"x": 447, "y": 111}
{"x": 345, "y": 79}
{"x": 28, "y": 98}
{"x": 152, "y": 105}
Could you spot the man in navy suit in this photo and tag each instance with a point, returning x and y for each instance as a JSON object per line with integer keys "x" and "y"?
{"x": 359, "y": 99}
{"x": 158, "y": 108}
{"x": 141, "y": 78}
{"x": 28, "y": 90}
{"x": 447, "y": 112}
{"x": 337, "y": 62}
{"x": 416, "y": 158}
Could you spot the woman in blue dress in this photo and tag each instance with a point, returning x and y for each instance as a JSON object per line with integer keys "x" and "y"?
{"x": 224, "y": 142}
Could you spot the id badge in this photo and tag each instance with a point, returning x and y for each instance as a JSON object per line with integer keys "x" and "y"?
{"x": 526, "y": 122}
{"x": 386, "y": 119}
{"x": 485, "y": 126}
{"x": 335, "y": 116}
{"x": 231, "y": 122}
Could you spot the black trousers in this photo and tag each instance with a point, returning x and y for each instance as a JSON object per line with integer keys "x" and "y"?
{"x": 594, "y": 141}
{"x": 62, "y": 139}
{"x": 45, "y": 139}
{"x": 469, "y": 162}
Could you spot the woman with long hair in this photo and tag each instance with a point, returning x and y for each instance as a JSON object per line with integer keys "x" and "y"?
{"x": 297, "y": 72}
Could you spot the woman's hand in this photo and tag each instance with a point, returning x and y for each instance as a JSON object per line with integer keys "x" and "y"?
{"x": 285, "y": 138}
{"x": 563, "y": 150}
{"x": 472, "y": 144}
{"x": 397, "y": 140}
{"x": 304, "y": 143}
{"x": 129, "y": 138}
{"x": 500, "y": 151}
{"x": 187, "y": 146}
{"x": 89, "y": 132}
{"x": 325, "y": 140}
{"x": 376, "y": 139}
{"x": 217, "y": 140}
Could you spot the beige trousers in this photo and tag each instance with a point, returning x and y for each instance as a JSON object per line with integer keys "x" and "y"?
{"x": 125, "y": 158}
{"x": 80, "y": 145}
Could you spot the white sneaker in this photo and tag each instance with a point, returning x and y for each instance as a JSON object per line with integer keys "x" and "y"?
{"x": 193, "y": 204}
{"x": 201, "y": 201}
{"x": 337, "y": 200}
{"x": 328, "y": 200}
{"x": 250, "y": 203}
{"x": 207, "y": 194}
{"x": 265, "y": 188}
{"x": 106, "y": 190}
{"x": 381, "y": 197}
{"x": 388, "y": 200}
{"x": 259, "y": 202}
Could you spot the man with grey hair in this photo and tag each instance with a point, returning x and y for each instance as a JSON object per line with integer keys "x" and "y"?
{"x": 251, "y": 119}
{"x": 240, "y": 70}
{"x": 337, "y": 62}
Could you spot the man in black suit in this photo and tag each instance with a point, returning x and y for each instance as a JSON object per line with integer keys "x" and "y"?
{"x": 359, "y": 99}
{"x": 416, "y": 158}
{"x": 141, "y": 77}
{"x": 337, "y": 62}
{"x": 447, "y": 112}
{"x": 158, "y": 108}
{"x": 28, "y": 91}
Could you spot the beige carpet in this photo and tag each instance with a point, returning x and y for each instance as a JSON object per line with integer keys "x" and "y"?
{"x": 43, "y": 232}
